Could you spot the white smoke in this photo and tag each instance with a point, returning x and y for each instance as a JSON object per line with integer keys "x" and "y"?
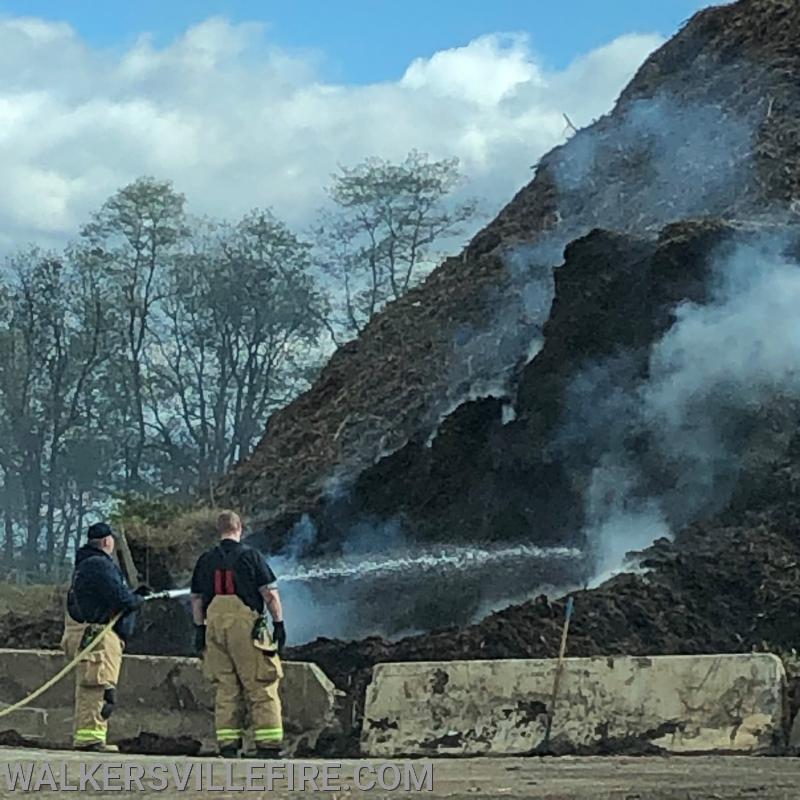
{"x": 661, "y": 159}
{"x": 619, "y": 521}
{"x": 710, "y": 379}
{"x": 654, "y": 163}
{"x": 650, "y": 165}
{"x": 743, "y": 346}
{"x": 657, "y": 453}
{"x": 485, "y": 360}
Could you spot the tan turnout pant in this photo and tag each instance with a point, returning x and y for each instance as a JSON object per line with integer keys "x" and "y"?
{"x": 94, "y": 674}
{"x": 245, "y": 678}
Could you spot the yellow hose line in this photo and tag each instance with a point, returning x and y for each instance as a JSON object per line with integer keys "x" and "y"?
{"x": 64, "y": 671}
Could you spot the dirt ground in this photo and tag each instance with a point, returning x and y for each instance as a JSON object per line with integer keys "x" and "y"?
{"x": 664, "y": 778}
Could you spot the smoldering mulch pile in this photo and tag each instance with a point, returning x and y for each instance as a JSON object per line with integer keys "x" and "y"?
{"x": 708, "y": 126}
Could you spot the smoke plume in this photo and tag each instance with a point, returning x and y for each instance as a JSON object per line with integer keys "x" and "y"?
{"x": 720, "y": 399}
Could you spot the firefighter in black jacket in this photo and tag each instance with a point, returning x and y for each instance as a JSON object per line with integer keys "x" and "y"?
{"x": 98, "y": 592}
{"x": 231, "y": 587}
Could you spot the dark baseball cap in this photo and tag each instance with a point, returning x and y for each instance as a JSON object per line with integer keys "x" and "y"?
{"x": 99, "y": 531}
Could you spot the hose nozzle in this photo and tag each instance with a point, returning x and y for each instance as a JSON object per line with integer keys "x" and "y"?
{"x": 168, "y": 594}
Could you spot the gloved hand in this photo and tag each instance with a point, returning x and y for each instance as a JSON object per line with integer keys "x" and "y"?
{"x": 279, "y": 636}
{"x": 143, "y": 590}
{"x": 199, "y": 639}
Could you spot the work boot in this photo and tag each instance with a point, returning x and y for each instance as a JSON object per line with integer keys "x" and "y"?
{"x": 268, "y": 752}
{"x": 230, "y": 750}
{"x": 98, "y": 747}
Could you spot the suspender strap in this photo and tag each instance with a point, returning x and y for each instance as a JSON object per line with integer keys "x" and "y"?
{"x": 224, "y": 581}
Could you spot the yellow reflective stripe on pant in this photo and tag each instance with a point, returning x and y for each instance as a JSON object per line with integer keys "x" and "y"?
{"x": 268, "y": 734}
{"x": 87, "y": 735}
{"x": 225, "y": 734}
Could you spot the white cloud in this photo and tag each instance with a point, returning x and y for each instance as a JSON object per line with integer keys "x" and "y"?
{"x": 482, "y": 72}
{"x": 236, "y": 122}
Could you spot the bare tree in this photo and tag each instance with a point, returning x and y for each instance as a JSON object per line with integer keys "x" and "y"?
{"x": 241, "y": 324}
{"x": 133, "y": 237}
{"x": 49, "y": 349}
{"x": 380, "y": 236}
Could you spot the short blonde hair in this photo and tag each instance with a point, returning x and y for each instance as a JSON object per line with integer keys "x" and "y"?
{"x": 228, "y": 521}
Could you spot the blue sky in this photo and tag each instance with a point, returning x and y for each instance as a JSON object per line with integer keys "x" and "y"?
{"x": 374, "y": 40}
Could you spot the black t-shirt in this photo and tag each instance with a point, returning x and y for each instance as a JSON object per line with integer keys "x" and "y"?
{"x": 251, "y": 572}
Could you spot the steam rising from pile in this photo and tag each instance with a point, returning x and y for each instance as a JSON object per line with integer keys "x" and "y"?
{"x": 657, "y": 447}
{"x": 665, "y": 450}
{"x": 722, "y": 382}
{"x": 658, "y": 162}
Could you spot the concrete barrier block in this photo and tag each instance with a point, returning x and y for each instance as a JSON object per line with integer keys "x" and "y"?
{"x": 27, "y": 723}
{"x": 677, "y": 704}
{"x": 166, "y": 697}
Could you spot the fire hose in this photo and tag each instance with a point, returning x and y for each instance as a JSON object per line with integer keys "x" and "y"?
{"x": 165, "y": 595}
{"x": 64, "y": 670}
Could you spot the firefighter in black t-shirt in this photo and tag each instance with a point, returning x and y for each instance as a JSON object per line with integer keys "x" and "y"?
{"x": 232, "y": 585}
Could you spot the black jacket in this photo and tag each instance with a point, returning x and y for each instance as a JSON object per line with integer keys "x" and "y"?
{"x": 251, "y": 572}
{"x": 99, "y": 591}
